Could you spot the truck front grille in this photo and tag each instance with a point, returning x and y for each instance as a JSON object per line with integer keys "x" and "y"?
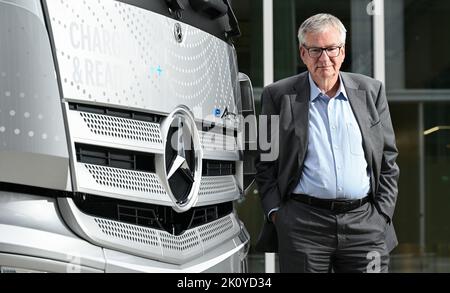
{"x": 152, "y": 216}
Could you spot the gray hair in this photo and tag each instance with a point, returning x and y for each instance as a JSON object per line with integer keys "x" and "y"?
{"x": 319, "y": 23}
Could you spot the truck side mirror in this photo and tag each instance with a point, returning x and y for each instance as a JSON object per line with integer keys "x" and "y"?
{"x": 250, "y": 134}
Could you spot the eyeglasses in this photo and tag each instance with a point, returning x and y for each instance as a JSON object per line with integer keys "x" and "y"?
{"x": 315, "y": 52}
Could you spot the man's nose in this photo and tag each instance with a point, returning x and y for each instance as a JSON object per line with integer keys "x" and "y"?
{"x": 324, "y": 56}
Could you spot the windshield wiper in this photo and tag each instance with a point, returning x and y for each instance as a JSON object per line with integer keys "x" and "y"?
{"x": 213, "y": 8}
{"x": 175, "y": 7}
{"x": 218, "y": 8}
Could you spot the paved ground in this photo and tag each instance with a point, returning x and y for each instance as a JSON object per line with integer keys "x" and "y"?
{"x": 405, "y": 263}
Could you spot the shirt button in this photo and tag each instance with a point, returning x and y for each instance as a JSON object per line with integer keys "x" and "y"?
{"x": 339, "y": 167}
{"x": 333, "y": 127}
{"x": 336, "y": 147}
{"x": 340, "y": 189}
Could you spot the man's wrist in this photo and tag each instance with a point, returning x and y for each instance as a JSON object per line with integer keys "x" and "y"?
{"x": 272, "y": 213}
{"x": 273, "y": 217}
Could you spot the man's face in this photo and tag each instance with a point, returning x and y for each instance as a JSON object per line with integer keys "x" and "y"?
{"x": 323, "y": 67}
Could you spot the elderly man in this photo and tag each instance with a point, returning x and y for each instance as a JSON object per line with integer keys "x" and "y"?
{"x": 330, "y": 194}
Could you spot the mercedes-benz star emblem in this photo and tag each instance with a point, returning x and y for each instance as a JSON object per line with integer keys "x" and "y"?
{"x": 178, "y": 32}
{"x": 182, "y": 159}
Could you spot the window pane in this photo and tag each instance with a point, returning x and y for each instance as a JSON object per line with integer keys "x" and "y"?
{"x": 289, "y": 14}
{"x": 437, "y": 176}
{"x": 405, "y": 120}
{"x": 417, "y": 35}
{"x": 249, "y": 46}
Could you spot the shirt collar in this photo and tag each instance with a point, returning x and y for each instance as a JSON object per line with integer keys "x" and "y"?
{"x": 315, "y": 91}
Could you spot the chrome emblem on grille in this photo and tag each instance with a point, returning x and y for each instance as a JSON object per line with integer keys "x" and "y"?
{"x": 178, "y": 32}
{"x": 180, "y": 168}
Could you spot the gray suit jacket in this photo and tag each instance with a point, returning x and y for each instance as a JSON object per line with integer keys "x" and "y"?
{"x": 289, "y": 98}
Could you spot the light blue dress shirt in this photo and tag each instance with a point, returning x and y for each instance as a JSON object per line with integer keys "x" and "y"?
{"x": 335, "y": 166}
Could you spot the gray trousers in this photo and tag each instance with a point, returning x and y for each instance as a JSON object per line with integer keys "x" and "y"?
{"x": 311, "y": 239}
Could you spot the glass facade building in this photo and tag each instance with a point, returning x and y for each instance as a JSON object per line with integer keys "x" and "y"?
{"x": 403, "y": 43}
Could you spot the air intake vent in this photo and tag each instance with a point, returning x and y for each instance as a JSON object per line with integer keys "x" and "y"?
{"x": 140, "y": 216}
{"x": 114, "y": 158}
{"x": 128, "y": 232}
{"x": 212, "y": 186}
{"x": 135, "y": 181}
{"x": 119, "y": 113}
{"x": 122, "y": 128}
{"x": 211, "y": 231}
{"x": 151, "y": 216}
{"x": 184, "y": 242}
{"x": 217, "y": 142}
{"x": 218, "y": 168}
{"x": 204, "y": 215}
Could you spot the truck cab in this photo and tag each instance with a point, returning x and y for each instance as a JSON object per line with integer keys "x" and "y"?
{"x": 122, "y": 138}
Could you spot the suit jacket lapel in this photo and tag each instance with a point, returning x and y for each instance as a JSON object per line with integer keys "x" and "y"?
{"x": 300, "y": 108}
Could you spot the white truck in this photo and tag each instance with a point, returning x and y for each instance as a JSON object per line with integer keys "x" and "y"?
{"x": 121, "y": 138}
